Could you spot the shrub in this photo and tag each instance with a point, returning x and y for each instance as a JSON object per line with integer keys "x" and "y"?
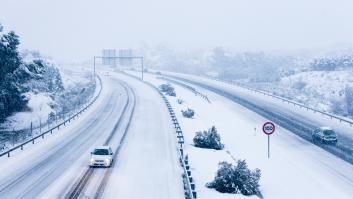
{"x": 167, "y": 89}
{"x": 236, "y": 179}
{"x": 171, "y": 93}
{"x": 189, "y": 113}
{"x": 208, "y": 139}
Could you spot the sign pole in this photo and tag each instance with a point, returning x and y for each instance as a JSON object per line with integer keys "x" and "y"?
{"x": 268, "y": 128}
{"x": 268, "y": 146}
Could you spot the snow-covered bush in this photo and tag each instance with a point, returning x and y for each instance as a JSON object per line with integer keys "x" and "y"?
{"x": 208, "y": 139}
{"x": 171, "y": 93}
{"x": 236, "y": 179}
{"x": 188, "y": 113}
{"x": 180, "y": 101}
{"x": 167, "y": 89}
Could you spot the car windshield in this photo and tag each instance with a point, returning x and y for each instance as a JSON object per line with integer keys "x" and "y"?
{"x": 101, "y": 152}
{"x": 329, "y": 133}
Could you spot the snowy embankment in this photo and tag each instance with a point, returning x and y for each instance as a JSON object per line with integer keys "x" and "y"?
{"x": 48, "y": 105}
{"x": 41, "y": 104}
{"x": 296, "y": 168}
{"x": 329, "y": 91}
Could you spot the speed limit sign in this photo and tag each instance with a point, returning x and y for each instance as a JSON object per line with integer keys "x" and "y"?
{"x": 268, "y": 128}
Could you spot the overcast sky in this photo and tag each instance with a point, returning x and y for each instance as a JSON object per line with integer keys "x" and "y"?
{"x": 70, "y": 30}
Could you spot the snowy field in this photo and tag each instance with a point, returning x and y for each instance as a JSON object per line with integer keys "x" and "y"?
{"x": 296, "y": 168}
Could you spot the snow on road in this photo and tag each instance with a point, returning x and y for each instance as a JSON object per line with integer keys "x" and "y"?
{"x": 147, "y": 166}
{"x": 296, "y": 169}
{"x": 50, "y": 167}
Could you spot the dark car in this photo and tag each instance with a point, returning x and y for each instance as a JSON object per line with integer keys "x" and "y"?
{"x": 324, "y": 135}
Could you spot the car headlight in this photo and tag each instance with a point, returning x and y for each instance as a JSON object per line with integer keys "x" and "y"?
{"x": 92, "y": 160}
{"x": 107, "y": 161}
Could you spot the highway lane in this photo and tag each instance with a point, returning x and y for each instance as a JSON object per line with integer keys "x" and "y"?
{"x": 148, "y": 165}
{"x": 33, "y": 171}
{"x": 95, "y": 184}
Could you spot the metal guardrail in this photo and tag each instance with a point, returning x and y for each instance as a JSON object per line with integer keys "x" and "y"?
{"x": 284, "y": 100}
{"x": 192, "y": 89}
{"x": 20, "y": 146}
{"x": 189, "y": 184}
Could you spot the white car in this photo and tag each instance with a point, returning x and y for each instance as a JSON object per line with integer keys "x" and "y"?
{"x": 101, "y": 157}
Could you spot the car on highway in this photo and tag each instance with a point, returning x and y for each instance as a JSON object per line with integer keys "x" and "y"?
{"x": 324, "y": 135}
{"x": 101, "y": 157}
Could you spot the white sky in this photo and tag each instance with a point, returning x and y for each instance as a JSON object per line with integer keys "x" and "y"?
{"x": 70, "y": 30}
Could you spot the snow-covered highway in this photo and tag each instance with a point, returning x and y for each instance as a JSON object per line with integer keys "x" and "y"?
{"x": 32, "y": 171}
{"x": 129, "y": 116}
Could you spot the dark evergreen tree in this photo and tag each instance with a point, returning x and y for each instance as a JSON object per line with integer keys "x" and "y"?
{"x": 11, "y": 98}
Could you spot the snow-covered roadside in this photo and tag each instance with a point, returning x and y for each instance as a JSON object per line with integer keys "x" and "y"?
{"x": 41, "y": 104}
{"x": 296, "y": 169}
{"x": 74, "y": 74}
{"x": 341, "y": 128}
{"x": 46, "y": 109}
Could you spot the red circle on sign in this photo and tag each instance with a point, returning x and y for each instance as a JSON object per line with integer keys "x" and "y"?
{"x": 268, "y": 128}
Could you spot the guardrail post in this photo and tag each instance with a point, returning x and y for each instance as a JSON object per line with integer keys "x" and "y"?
{"x": 8, "y": 154}
{"x": 194, "y": 194}
{"x": 191, "y": 180}
{"x": 33, "y": 141}
{"x": 192, "y": 186}
{"x": 21, "y": 147}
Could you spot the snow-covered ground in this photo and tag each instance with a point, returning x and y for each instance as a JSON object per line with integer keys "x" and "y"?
{"x": 322, "y": 90}
{"x": 41, "y": 104}
{"x": 299, "y": 113}
{"x": 296, "y": 168}
{"x": 75, "y": 74}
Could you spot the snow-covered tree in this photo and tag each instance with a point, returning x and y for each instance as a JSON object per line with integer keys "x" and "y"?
{"x": 208, "y": 139}
{"x": 188, "y": 113}
{"x": 236, "y": 179}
